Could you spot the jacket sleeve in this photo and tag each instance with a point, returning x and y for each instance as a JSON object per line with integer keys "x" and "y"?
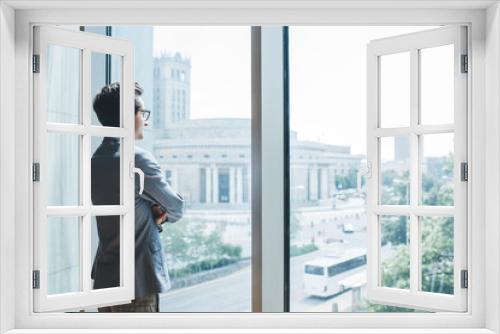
{"x": 156, "y": 188}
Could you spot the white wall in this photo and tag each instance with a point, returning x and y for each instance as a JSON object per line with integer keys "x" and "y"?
{"x": 493, "y": 165}
{"x": 7, "y": 175}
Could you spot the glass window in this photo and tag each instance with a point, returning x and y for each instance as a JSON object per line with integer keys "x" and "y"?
{"x": 63, "y": 275}
{"x": 437, "y": 254}
{"x": 438, "y": 83}
{"x": 71, "y": 187}
{"x": 208, "y": 251}
{"x": 395, "y": 170}
{"x": 395, "y": 251}
{"x": 395, "y": 90}
{"x": 437, "y": 168}
{"x": 64, "y": 171}
{"x": 63, "y": 73}
{"x": 314, "y": 270}
{"x": 328, "y": 217}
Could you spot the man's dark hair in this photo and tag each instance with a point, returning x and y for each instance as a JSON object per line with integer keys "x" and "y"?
{"x": 107, "y": 104}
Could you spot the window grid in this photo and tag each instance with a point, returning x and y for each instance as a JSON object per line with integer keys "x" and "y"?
{"x": 86, "y": 44}
{"x": 416, "y": 210}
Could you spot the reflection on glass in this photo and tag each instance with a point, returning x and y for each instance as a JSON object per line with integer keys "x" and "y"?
{"x": 111, "y": 106}
{"x": 63, "y": 75}
{"x": 105, "y": 171}
{"x": 395, "y": 251}
{"x": 437, "y": 85}
{"x": 437, "y": 254}
{"x": 395, "y": 90}
{"x": 63, "y": 169}
{"x": 63, "y": 255}
{"x": 437, "y": 169}
{"x": 105, "y": 246}
{"x": 394, "y": 170}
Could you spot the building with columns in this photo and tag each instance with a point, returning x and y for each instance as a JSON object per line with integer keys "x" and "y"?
{"x": 208, "y": 162}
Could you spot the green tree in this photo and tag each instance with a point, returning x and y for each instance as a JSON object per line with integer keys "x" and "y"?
{"x": 436, "y": 233}
{"x": 395, "y": 230}
{"x": 437, "y": 254}
{"x": 395, "y": 187}
{"x": 437, "y": 181}
{"x": 348, "y": 181}
{"x": 396, "y": 269}
{"x": 187, "y": 244}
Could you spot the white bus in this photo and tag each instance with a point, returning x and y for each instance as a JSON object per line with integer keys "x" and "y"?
{"x": 322, "y": 275}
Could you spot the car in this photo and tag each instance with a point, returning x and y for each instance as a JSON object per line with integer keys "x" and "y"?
{"x": 341, "y": 197}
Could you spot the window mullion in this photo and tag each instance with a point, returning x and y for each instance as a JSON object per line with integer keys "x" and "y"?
{"x": 256, "y": 149}
{"x": 272, "y": 164}
{"x": 86, "y": 258}
{"x": 414, "y": 171}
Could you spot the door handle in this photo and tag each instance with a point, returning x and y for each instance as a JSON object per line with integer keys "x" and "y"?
{"x": 134, "y": 170}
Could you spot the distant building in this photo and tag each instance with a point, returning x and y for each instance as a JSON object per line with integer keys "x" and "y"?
{"x": 171, "y": 95}
{"x": 314, "y": 167}
{"x": 208, "y": 162}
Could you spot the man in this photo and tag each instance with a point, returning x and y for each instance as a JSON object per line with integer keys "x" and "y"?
{"x": 157, "y": 204}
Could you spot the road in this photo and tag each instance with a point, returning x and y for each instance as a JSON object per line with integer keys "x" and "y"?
{"x": 232, "y": 293}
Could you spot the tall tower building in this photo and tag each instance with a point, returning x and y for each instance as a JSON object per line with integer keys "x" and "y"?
{"x": 171, "y": 95}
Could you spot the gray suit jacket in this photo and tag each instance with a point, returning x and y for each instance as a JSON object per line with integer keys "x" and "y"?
{"x": 151, "y": 275}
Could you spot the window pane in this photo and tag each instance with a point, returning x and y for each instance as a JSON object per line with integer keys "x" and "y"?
{"x": 437, "y": 169}
{"x": 395, "y": 251}
{"x": 63, "y": 75}
{"x": 105, "y": 245}
{"x": 106, "y": 171}
{"x": 199, "y": 133}
{"x": 63, "y": 240}
{"x": 328, "y": 221}
{"x": 106, "y": 111}
{"x": 63, "y": 169}
{"x": 437, "y": 254}
{"x": 395, "y": 90}
{"x": 437, "y": 85}
{"x": 395, "y": 170}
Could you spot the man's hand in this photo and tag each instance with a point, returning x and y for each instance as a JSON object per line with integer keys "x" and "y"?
{"x": 158, "y": 214}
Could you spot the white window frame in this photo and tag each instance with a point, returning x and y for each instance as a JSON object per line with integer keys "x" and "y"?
{"x": 15, "y": 231}
{"x": 85, "y": 43}
{"x": 411, "y": 44}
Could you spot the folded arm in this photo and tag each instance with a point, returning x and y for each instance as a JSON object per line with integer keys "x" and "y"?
{"x": 156, "y": 188}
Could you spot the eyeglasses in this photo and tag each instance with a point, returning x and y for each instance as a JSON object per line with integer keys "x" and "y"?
{"x": 145, "y": 114}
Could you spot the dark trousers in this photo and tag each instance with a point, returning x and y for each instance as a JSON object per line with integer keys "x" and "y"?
{"x": 145, "y": 304}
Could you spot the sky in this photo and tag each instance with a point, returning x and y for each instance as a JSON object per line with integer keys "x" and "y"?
{"x": 327, "y": 78}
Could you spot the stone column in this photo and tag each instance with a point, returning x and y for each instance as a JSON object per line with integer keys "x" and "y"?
{"x": 239, "y": 185}
{"x": 313, "y": 183}
{"x": 331, "y": 182}
{"x": 249, "y": 183}
{"x": 232, "y": 185}
{"x": 208, "y": 185}
{"x": 215, "y": 184}
{"x": 324, "y": 183}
